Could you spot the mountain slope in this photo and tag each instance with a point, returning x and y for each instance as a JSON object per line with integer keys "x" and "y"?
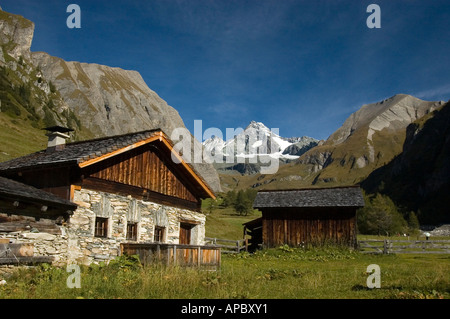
{"x": 118, "y": 101}
{"x": 39, "y": 90}
{"x": 28, "y": 101}
{"x": 418, "y": 179}
{"x": 370, "y": 138}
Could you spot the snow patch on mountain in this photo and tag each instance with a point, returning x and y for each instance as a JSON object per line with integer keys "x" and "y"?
{"x": 257, "y": 140}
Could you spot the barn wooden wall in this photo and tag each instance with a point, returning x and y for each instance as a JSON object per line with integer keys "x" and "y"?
{"x": 172, "y": 254}
{"x": 55, "y": 180}
{"x": 142, "y": 168}
{"x": 314, "y": 226}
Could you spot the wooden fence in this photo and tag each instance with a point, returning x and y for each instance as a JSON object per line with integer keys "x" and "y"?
{"x": 173, "y": 254}
{"x": 404, "y": 246}
{"x": 228, "y": 245}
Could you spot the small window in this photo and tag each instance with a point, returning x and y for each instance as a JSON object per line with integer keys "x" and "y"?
{"x": 159, "y": 234}
{"x": 101, "y": 227}
{"x": 132, "y": 231}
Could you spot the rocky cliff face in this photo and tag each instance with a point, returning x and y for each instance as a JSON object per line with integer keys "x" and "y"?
{"x": 372, "y": 135}
{"x": 418, "y": 178}
{"x": 25, "y": 94}
{"x": 393, "y": 114}
{"x": 116, "y": 101}
{"x": 369, "y": 139}
{"x": 16, "y": 33}
{"x": 95, "y": 100}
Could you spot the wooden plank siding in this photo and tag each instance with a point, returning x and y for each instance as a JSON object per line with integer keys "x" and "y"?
{"x": 309, "y": 226}
{"x": 53, "y": 180}
{"x": 143, "y": 168}
{"x": 173, "y": 254}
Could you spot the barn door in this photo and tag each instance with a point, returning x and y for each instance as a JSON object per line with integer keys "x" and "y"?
{"x": 185, "y": 233}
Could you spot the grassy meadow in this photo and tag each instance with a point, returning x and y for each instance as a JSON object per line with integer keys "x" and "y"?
{"x": 281, "y": 273}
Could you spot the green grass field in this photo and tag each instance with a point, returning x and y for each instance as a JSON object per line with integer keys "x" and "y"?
{"x": 226, "y": 224}
{"x": 283, "y": 273}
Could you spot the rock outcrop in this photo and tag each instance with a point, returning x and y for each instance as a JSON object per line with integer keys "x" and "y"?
{"x": 395, "y": 113}
{"x": 96, "y": 99}
{"x": 359, "y": 141}
{"x": 418, "y": 179}
{"x": 369, "y": 139}
{"x": 116, "y": 101}
{"x": 16, "y": 33}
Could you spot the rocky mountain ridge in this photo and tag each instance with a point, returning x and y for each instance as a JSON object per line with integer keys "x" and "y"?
{"x": 118, "y": 101}
{"x": 55, "y": 91}
{"x": 367, "y": 128}
{"x": 245, "y": 152}
{"x": 25, "y": 94}
{"x": 418, "y": 179}
{"x": 369, "y": 139}
{"x": 252, "y": 139}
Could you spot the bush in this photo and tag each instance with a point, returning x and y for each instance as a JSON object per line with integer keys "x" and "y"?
{"x": 241, "y": 201}
{"x": 229, "y": 198}
{"x": 126, "y": 262}
{"x": 413, "y": 224}
{"x": 380, "y": 216}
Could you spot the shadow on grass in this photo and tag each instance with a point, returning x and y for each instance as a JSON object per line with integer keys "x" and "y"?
{"x": 365, "y": 288}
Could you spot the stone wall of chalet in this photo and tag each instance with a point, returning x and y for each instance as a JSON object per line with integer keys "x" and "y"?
{"x": 121, "y": 210}
{"x": 76, "y": 242}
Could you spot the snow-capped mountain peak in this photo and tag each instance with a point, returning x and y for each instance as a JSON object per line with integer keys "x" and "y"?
{"x": 258, "y": 140}
{"x": 257, "y": 126}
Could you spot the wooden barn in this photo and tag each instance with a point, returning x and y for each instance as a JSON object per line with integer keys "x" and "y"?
{"x": 126, "y": 188}
{"x": 24, "y": 200}
{"x": 306, "y": 217}
{"x": 26, "y": 208}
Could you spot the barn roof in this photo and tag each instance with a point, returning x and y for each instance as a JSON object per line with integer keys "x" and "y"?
{"x": 78, "y": 152}
{"x": 313, "y": 197}
{"x": 13, "y": 191}
{"x": 85, "y": 153}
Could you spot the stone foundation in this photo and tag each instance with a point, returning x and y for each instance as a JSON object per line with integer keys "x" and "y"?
{"x": 77, "y": 243}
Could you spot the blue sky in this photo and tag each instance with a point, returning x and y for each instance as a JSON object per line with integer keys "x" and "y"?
{"x": 300, "y": 66}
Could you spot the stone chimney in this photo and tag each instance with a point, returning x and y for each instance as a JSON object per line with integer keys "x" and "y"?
{"x": 57, "y": 136}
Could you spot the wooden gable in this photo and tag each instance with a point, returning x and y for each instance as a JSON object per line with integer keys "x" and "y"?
{"x": 138, "y": 164}
{"x": 146, "y": 167}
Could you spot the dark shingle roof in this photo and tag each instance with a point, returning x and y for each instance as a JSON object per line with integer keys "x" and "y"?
{"x": 78, "y": 152}
{"x": 315, "y": 197}
{"x": 16, "y": 191}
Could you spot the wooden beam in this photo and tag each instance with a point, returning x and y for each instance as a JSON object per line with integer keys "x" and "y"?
{"x": 189, "y": 221}
{"x": 34, "y": 208}
{"x": 26, "y": 260}
{"x": 119, "y": 151}
{"x": 73, "y": 188}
